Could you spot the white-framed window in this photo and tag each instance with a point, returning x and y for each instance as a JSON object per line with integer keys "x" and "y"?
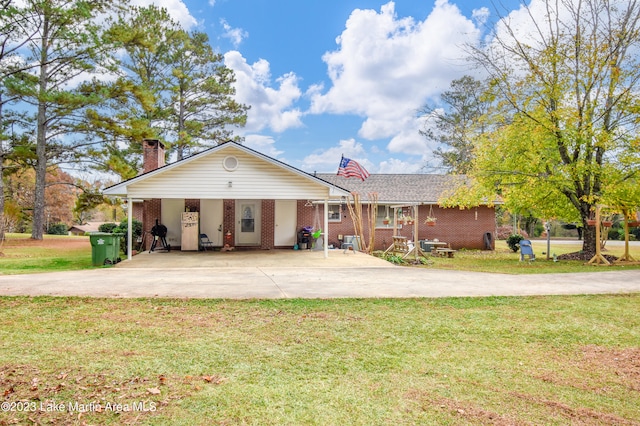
{"x": 383, "y": 213}
{"x": 335, "y": 213}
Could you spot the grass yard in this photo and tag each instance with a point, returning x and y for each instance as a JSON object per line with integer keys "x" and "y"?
{"x": 476, "y": 361}
{"x": 503, "y": 260}
{"x": 19, "y": 254}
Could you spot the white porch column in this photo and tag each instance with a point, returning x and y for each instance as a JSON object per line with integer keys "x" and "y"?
{"x": 129, "y": 227}
{"x": 326, "y": 228}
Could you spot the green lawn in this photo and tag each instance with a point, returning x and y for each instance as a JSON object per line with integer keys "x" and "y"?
{"x": 503, "y": 260}
{"x": 21, "y": 255}
{"x": 477, "y": 361}
{"x": 57, "y": 253}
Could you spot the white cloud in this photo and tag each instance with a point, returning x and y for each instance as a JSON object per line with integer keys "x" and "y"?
{"x": 176, "y": 8}
{"x": 270, "y": 107}
{"x": 393, "y": 165}
{"x": 385, "y": 69}
{"x": 236, "y": 35}
{"x": 263, "y": 144}
{"x": 326, "y": 161}
{"x": 481, "y": 15}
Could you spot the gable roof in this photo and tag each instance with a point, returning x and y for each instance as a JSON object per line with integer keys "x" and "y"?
{"x": 203, "y": 175}
{"x": 399, "y": 188}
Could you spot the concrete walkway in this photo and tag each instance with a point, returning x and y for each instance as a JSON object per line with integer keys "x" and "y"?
{"x": 274, "y": 274}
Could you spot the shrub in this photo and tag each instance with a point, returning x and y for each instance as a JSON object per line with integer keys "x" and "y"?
{"x": 123, "y": 228}
{"x": 58, "y": 229}
{"x": 513, "y": 242}
{"x": 395, "y": 259}
{"x": 107, "y": 227}
{"x": 615, "y": 234}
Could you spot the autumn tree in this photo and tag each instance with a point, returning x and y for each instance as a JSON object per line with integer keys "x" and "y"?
{"x": 456, "y": 122}
{"x": 566, "y": 84}
{"x": 64, "y": 43}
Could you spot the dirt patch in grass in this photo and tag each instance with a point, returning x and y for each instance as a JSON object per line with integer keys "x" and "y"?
{"x": 75, "y": 397}
{"x": 465, "y": 411}
{"x": 576, "y": 415}
{"x": 609, "y": 368}
{"x": 48, "y": 243}
{"x": 622, "y": 363}
{"x": 586, "y": 256}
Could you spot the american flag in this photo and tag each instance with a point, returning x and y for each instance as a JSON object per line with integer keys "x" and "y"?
{"x": 349, "y": 168}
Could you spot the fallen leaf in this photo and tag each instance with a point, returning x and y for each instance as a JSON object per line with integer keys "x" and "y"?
{"x": 9, "y": 391}
{"x": 216, "y": 380}
{"x": 154, "y": 391}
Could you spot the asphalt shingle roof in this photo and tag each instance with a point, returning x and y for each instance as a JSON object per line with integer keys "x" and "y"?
{"x": 399, "y": 188}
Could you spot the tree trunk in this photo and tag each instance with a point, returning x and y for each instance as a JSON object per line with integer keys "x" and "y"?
{"x": 41, "y": 175}
{"x": 41, "y": 140}
{"x": 588, "y": 238}
{"x": 2, "y": 154}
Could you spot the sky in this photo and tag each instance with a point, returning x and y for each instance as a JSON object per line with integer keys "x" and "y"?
{"x": 326, "y": 78}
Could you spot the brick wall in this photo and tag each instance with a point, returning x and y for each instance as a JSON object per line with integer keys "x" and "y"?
{"x": 229, "y": 220}
{"x": 152, "y": 210}
{"x": 267, "y": 229}
{"x": 192, "y": 204}
{"x": 138, "y": 211}
{"x": 459, "y": 228}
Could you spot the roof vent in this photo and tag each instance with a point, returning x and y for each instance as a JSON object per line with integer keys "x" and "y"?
{"x": 230, "y": 163}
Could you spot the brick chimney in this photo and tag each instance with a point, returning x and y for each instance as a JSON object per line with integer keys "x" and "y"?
{"x": 152, "y": 155}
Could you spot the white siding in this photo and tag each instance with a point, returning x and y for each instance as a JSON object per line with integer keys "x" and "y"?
{"x": 205, "y": 177}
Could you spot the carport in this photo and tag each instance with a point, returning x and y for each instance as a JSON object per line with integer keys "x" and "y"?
{"x": 251, "y": 199}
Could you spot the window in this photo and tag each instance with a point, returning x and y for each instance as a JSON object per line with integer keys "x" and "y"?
{"x": 384, "y": 212}
{"x": 335, "y": 213}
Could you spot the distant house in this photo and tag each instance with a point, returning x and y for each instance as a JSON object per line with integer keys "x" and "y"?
{"x": 250, "y": 200}
{"x": 83, "y": 229}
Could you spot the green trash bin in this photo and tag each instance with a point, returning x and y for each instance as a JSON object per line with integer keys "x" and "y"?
{"x": 105, "y": 248}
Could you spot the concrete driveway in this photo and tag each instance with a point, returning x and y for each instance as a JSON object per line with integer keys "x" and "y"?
{"x": 288, "y": 274}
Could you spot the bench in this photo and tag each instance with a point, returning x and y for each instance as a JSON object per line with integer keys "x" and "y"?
{"x": 445, "y": 252}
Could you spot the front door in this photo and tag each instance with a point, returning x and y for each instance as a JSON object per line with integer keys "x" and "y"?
{"x": 248, "y": 223}
{"x": 285, "y": 232}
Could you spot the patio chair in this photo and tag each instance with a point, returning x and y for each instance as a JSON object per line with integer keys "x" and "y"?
{"x": 205, "y": 242}
{"x": 526, "y": 250}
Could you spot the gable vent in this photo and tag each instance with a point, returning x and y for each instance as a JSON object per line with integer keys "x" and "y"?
{"x": 230, "y": 163}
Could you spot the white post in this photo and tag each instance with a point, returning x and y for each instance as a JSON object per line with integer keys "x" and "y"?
{"x": 325, "y": 230}
{"x": 129, "y": 227}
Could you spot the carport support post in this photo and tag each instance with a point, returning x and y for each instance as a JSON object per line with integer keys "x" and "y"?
{"x": 129, "y": 227}
{"x": 325, "y": 240}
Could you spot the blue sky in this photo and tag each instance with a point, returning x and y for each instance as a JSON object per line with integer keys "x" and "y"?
{"x": 333, "y": 77}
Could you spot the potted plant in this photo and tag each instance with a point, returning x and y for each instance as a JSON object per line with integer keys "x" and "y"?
{"x": 386, "y": 220}
{"x": 633, "y": 223}
{"x": 430, "y": 221}
{"x": 591, "y": 222}
{"x": 408, "y": 220}
{"x": 607, "y": 223}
